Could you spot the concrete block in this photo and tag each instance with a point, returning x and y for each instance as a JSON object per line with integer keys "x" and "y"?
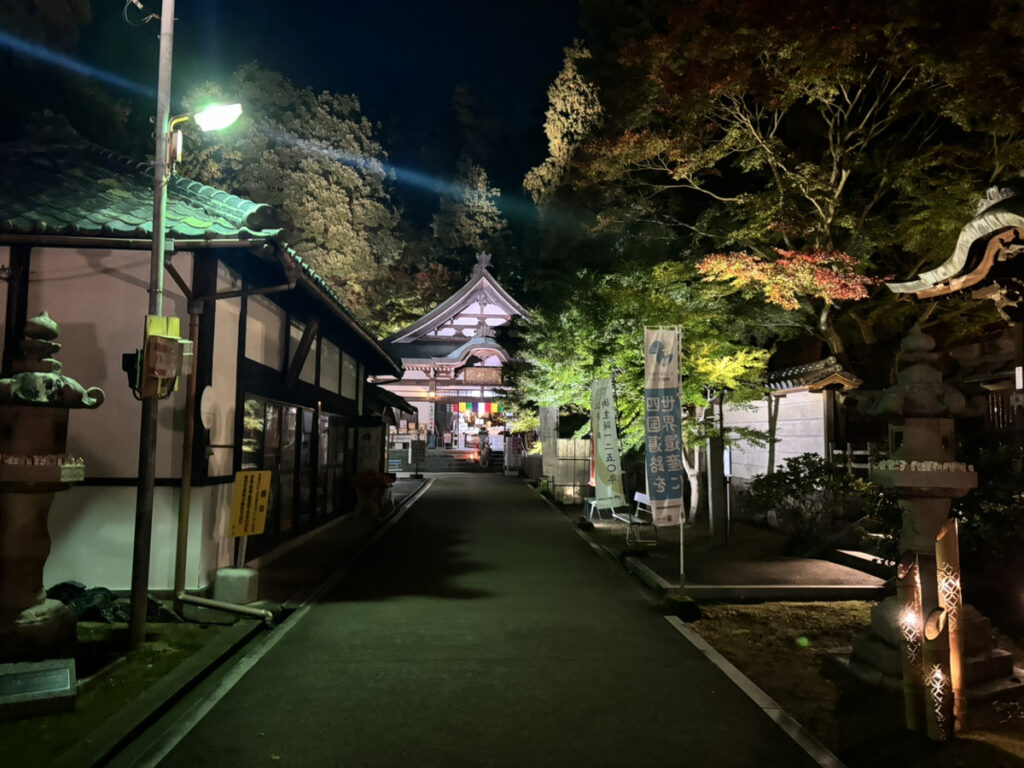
{"x": 32, "y": 688}
{"x": 236, "y": 585}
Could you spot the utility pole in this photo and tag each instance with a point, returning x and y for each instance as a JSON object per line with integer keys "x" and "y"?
{"x": 148, "y": 428}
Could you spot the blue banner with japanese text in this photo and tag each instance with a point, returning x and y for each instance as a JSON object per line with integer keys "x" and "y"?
{"x": 662, "y": 428}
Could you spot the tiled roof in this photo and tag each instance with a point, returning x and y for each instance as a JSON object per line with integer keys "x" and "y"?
{"x": 79, "y": 189}
{"x": 811, "y": 376}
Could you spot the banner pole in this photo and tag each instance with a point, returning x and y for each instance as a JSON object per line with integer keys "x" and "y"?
{"x": 682, "y": 491}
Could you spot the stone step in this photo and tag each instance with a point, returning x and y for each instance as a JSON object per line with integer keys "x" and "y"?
{"x": 1001, "y": 689}
{"x": 996, "y": 664}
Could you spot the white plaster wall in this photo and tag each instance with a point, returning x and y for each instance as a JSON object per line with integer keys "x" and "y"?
{"x": 330, "y": 366}
{"x": 800, "y": 429}
{"x": 92, "y": 534}
{"x": 216, "y": 548}
{"x": 99, "y": 300}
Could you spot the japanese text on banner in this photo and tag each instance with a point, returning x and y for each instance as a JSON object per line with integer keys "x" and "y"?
{"x": 662, "y": 427}
{"x": 607, "y": 467}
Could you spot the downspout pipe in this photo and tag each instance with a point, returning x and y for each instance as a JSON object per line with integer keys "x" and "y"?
{"x": 185, "y": 497}
{"x": 220, "y": 605}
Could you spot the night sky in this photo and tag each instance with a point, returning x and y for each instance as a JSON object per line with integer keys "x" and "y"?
{"x": 402, "y": 58}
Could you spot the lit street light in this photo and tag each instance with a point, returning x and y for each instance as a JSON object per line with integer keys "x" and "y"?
{"x": 163, "y": 166}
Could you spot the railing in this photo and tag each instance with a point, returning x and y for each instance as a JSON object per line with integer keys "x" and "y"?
{"x": 1002, "y": 413}
{"x": 856, "y": 461}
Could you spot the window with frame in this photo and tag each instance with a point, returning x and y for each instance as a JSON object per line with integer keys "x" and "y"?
{"x": 264, "y": 332}
{"x": 308, "y": 372}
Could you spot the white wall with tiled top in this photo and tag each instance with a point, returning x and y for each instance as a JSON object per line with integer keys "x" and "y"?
{"x": 800, "y": 429}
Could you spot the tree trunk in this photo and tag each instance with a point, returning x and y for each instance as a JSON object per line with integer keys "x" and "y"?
{"x": 691, "y": 459}
{"x": 829, "y": 334}
{"x": 773, "y": 423}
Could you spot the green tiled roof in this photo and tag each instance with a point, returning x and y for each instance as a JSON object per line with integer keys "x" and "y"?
{"x": 79, "y": 189}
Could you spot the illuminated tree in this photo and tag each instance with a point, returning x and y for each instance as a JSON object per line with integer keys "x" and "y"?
{"x": 573, "y": 111}
{"x": 596, "y": 331}
{"x": 468, "y": 220}
{"x": 812, "y": 128}
{"x": 315, "y": 157}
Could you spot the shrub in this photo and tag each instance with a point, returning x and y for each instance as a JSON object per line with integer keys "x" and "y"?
{"x": 819, "y": 505}
{"x": 992, "y": 516}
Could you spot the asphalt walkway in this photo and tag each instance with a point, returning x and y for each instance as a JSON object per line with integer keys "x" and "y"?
{"x": 482, "y": 629}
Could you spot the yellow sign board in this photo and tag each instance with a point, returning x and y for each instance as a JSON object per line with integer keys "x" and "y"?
{"x": 249, "y": 502}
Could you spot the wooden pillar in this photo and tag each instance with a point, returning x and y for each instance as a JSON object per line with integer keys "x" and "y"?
{"x": 17, "y": 306}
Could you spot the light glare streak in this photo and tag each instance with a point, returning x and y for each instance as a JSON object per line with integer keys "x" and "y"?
{"x": 41, "y": 53}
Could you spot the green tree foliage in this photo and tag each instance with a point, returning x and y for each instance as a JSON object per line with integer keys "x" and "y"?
{"x": 573, "y": 111}
{"x": 315, "y": 157}
{"x": 468, "y": 220}
{"x": 808, "y": 127}
{"x": 598, "y": 332}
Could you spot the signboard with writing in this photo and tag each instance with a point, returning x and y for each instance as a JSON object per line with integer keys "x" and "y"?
{"x": 549, "y": 440}
{"x": 482, "y": 375}
{"x": 607, "y": 468}
{"x": 419, "y": 451}
{"x": 662, "y": 427}
{"x": 249, "y": 502}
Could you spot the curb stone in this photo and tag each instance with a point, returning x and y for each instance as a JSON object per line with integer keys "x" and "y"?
{"x": 135, "y": 716}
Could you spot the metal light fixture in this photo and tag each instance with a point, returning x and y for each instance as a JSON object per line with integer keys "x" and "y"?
{"x": 212, "y": 118}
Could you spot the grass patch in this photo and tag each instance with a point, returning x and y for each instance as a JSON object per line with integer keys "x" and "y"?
{"x": 113, "y": 679}
{"x": 782, "y": 647}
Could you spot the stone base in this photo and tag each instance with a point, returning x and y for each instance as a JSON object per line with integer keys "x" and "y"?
{"x": 236, "y": 585}
{"x": 29, "y": 689}
{"x": 44, "y": 631}
{"x": 989, "y": 672}
{"x": 976, "y": 629}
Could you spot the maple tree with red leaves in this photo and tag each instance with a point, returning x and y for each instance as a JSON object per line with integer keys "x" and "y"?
{"x": 816, "y": 274}
{"x": 814, "y": 149}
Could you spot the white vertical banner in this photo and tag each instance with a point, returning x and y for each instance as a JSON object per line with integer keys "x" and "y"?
{"x": 662, "y": 424}
{"x": 607, "y": 464}
{"x": 549, "y": 440}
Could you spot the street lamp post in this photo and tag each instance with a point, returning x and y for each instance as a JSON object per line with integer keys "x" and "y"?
{"x": 148, "y": 428}
{"x": 212, "y": 119}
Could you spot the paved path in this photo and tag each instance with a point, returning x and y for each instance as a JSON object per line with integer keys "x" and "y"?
{"x": 483, "y": 630}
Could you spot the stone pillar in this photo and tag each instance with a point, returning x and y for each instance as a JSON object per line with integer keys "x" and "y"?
{"x": 34, "y": 405}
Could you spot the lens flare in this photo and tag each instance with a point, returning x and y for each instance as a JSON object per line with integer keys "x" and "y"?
{"x": 41, "y": 53}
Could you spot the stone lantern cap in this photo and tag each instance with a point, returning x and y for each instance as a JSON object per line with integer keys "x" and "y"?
{"x": 919, "y": 390}
{"x": 38, "y": 380}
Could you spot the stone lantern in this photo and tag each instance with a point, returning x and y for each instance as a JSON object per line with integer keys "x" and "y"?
{"x": 34, "y": 406}
{"x": 922, "y": 474}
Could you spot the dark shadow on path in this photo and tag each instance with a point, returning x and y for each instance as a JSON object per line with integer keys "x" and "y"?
{"x": 422, "y": 556}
